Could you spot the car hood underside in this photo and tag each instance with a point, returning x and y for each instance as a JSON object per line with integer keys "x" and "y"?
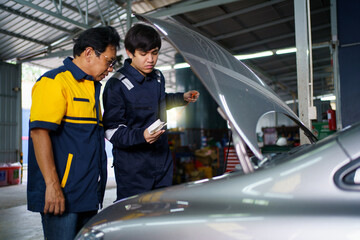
{"x": 241, "y": 95}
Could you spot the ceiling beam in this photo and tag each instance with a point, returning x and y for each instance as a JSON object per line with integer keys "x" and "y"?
{"x": 114, "y": 14}
{"x": 294, "y": 77}
{"x": 322, "y": 68}
{"x": 261, "y": 26}
{"x": 23, "y": 37}
{"x": 257, "y": 43}
{"x": 27, "y": 16}
{"x": 268, "y": 40}
{"x": 50, "y": 48}
{"x": 185, "y": 7}
{"x": 68, "y": 6}
{"x": 50, "y": 13}
{"x": 246, "y": 30}
{"x": 60, "y": 54}
{"x": 236, "y": 13}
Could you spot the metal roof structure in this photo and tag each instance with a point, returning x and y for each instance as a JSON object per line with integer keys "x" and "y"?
{"x": 41, "y": 32}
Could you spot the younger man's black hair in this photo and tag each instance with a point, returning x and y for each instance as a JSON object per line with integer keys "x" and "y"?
{"x": 142, "y": 37}
{"x": 97, "y": 38}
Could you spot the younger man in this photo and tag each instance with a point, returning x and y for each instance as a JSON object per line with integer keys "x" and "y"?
{"x": 133, "y": 99}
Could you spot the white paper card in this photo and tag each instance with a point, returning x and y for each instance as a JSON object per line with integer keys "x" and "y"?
{"x": 156, "y": 126}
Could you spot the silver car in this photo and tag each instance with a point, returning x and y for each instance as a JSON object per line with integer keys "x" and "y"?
{"x": 311, "y": 192}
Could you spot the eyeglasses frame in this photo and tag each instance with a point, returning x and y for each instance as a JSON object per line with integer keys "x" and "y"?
{"x": 109, "y": 65}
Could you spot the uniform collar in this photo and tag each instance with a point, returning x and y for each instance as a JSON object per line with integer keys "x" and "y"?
{"x": 77, "y": 73}
{"x": 136, "y": 74}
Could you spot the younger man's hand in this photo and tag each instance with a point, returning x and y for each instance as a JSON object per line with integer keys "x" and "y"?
{"x": 191, "y": 96}
{"x": 151, "y": 138}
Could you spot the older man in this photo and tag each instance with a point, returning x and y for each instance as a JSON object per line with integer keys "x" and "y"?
{"x": 67, "y": 159}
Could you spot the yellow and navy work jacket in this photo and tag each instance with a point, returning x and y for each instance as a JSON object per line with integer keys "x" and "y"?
{"x": 66, "y": 101}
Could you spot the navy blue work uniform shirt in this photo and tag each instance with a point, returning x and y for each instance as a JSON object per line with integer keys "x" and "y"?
{"x": 132, "y": 103}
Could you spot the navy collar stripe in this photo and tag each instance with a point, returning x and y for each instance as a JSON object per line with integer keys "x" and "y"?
{"x": 75, "y": 70}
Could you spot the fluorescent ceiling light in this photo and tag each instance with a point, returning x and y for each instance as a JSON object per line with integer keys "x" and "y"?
{"x": 285, "y": 50}
{"x": 254, "y": 55}
{"x": 291, "y": 101}
{"x": 181, "y": 65}
{"x": 164, "y": 67}
{"x": 239, "y": 57}
{"x": 328, "y": 98}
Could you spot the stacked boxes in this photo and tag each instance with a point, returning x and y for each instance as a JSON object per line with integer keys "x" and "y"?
{"x": 10, "y": 174}
{"x": 3, "y": 175}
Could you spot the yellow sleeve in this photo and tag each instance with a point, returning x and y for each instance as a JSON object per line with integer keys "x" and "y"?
{"x": 48, "y": 102}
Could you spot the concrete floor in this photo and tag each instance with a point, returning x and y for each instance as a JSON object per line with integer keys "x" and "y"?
{"x": 17, "y": 223}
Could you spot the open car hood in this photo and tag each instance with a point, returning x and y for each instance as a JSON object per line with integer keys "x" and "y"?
{"x": 241, "y": 95}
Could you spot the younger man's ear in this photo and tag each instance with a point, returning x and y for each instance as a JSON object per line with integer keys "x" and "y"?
{"x": 129, "y": 54}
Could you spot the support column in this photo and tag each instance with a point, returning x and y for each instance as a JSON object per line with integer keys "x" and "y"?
{"x": 128, "y": 15}
{"x": 304, "y": 65}
{"x": 335, "y": 61}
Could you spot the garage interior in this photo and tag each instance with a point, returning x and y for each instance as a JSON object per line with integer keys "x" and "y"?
{"x": 270, "y": 36}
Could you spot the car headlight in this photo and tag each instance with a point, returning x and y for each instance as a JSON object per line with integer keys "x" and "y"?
{"x": 91, "y": 235}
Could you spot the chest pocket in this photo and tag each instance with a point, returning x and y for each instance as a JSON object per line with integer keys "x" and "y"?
{"x": 141, "y": 106}
{"x": 81, "y": 110}
{"x": 139, "y": 114}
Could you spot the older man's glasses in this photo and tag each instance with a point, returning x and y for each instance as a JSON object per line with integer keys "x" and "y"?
{"x": 110, "y": 62}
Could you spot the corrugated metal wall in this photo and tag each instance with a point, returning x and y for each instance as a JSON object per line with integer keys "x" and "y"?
{"x": 10, "y": 113}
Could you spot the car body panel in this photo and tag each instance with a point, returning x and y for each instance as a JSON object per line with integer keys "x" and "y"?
{"x": 350, "y": 144}
{"x": 293, "y": 198}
